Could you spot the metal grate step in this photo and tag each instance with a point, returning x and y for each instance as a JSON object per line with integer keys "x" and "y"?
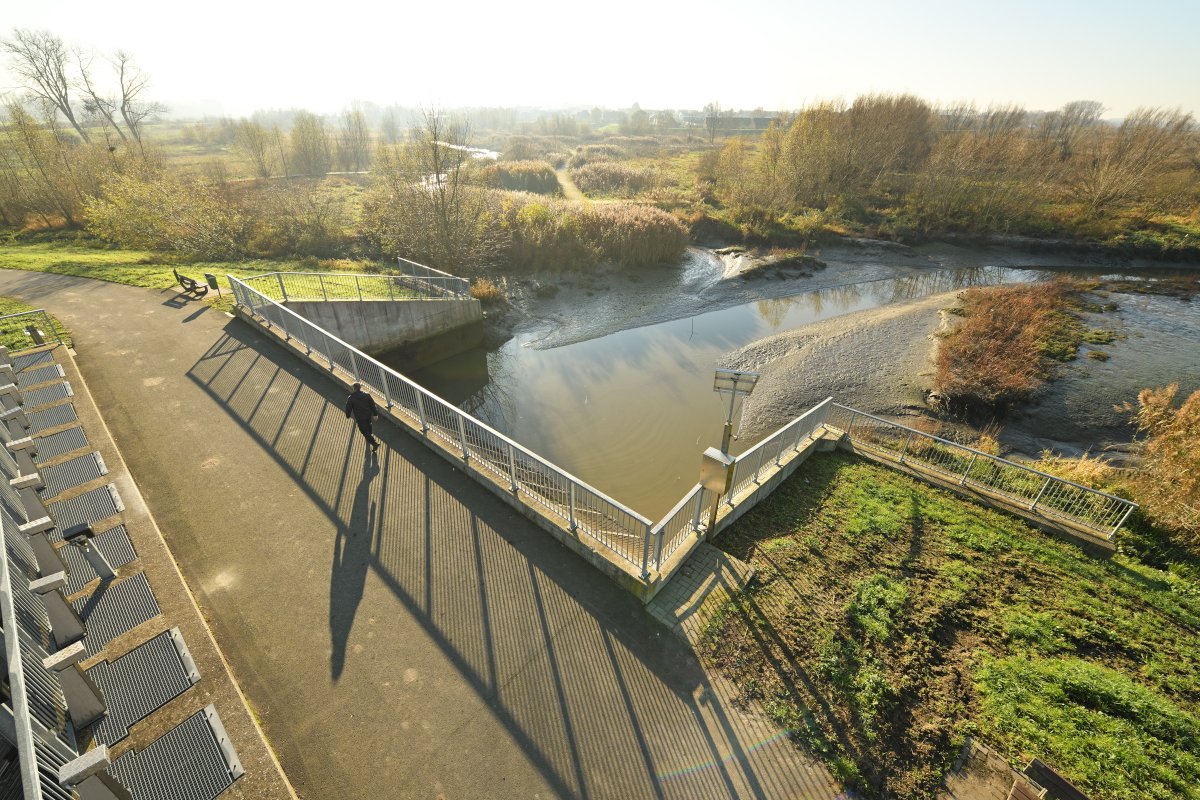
{"x": 32, "y": 377}
{"x": 115, "y": 608}
{"x": 113, "y": 543}
{"x": 22, "y": 363}
{"x": 61, "y": 443}
{"x": 72, "y": 473}
{"x": 193, "y": 761}
{"x": 47, "y": 394}
{"x": 90, "y": 507}
{"x": 142, "y": 681}
{"x": 51, "y": 417}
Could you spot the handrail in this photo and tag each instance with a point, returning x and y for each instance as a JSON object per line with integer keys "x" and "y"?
{"x": 572, "y": 511}
{"x": 1091, "y": 508}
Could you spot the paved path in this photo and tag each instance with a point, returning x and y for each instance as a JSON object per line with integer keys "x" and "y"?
{"x": 399, "y": 631}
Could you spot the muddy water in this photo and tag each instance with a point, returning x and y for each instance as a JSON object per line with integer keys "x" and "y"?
{"x": 630, "y": 412}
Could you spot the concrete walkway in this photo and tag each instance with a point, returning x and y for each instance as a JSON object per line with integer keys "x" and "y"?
{"x": 399, "y": 631}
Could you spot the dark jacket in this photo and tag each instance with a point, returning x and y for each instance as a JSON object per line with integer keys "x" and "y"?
{"x": 361, "y": 406}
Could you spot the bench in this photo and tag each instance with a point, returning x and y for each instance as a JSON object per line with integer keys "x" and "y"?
{"x": 190, "y": 285}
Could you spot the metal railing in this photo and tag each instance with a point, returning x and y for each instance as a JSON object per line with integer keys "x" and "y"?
{"x": 17, "y": 331}
{"x": 426, "y": 278}
{"x": 576, "y": 506}
{"x": 768, "y": 454}
{"x": 325, "y": 286}
{"x": 1026, "y": 487}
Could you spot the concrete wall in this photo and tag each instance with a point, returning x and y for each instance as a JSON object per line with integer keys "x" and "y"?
{"x": 378, "y": 326}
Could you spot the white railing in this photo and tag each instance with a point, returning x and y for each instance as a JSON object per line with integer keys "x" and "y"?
{"x": 326, "y": 286}
{"x": 423, "y": 278}
{"x": 1028, "y": 488}
{"x": 766, "y": 456}
{"x": 573, "y": 504}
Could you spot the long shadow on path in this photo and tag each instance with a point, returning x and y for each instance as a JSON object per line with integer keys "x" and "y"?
{"x": 468, "y": 653}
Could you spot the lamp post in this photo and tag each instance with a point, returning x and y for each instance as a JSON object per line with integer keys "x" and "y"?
{"x": 716, "y": 469}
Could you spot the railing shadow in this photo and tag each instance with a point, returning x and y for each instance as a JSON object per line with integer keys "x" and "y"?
{"x": 600, "y": 699}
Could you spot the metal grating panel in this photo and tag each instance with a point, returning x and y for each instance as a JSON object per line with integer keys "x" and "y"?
{"x": 90, "y": 507}
{"x": 47, "y": 394}
{"x": 57, "y": 444}
{"x": 22, "y": 363}
{"x": 115, "y": 608}
{"x": 138, "y": 683}
{"x": 10, "y": 781}
{"x": 51, "y": 417}
{"x": 32, "y": 377}
{"x": 49, "y": 761}
{"x": 44, "y": 691}
{"x": 72, "y": 473}
{"x": 114, "y": 544}
{"x": 187, "y": 763}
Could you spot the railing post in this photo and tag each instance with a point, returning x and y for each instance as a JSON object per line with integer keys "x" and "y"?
{"x": 904, "y": 448}
{"x": 421, "y": 413}
{"x": 328, "y": 350}
{"x": 354, "y": 364}
{"x": 512, "y": 470}
{"x": 287, "y": 336}
{"x": 758, "y": 468}
{"x": 658, "y": 546}
{"x": 1037, "y": 499}
{"x": 646, "y": 553}
{"x": 571, "y": 508}
{"x": 324, "y": 294}
{"x": 358, "y": 286}
{"x": 1117, "y": 527}
{"x": 971, "y": 463}
{"x": 50, "y": 327}
{"x": 282, "y": 288}
{"x": 391, "y": 288}
{"x": 699, "y": 510}
{"x": 387, "y": 390}
{"x": 462, "y": 437}
{"x": 850, "y": 424}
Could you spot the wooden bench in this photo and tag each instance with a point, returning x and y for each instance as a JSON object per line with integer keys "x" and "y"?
{"x": 190, "y": 285}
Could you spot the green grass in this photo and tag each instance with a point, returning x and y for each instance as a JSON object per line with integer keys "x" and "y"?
{"x": 889, "y": 619}
{"x": 12, "y": 332}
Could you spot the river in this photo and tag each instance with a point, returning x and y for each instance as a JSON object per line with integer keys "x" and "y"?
{"x": 629, "y": 407}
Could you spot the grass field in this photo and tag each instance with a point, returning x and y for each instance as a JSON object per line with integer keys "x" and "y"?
{"x": 12, "y": 332}
{"x": 889, "y": 619}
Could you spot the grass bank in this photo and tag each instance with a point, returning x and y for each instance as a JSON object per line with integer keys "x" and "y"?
{"x": 889, "y": 619}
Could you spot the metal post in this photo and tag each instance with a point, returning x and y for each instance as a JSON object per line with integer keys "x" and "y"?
{"x": 358, "y": 286}
{"x": 324, "y": 294}
{"x": 421, "y": 413}
{"x": 728, "y": 434}
{"x": 1037, "y": 499}
{"x": 328, "y": 350}
{"x": 699, "y": 510}
{"x": 462, "y": 437}
{"x": 850, "y": 425}
{"x": 904, "y": 449}
{"x": 287, "y": 336}
{"x": 354, "y": 364}
{"x": 512, "y": 470}
{"x": 50, "y": 327}
{"x": 391, "y": 288}
{"x": 646, "y": 553}
{"x": 571, "y": 508}
{"x": 383, "y": 381}
{"x": 658, "y": 546}
{"x": 758, "y": 467}
{"x": 963, "y": 481}
{"x": 282, "y": 289}
{"x": 1117, "y": 527}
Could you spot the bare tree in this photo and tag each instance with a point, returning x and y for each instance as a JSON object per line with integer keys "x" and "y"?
{"x": 134, "y": 110}
{"x": 1119, "y": 164}
{"x": 255, "y": 143}
{"x": 39, "y": 59}
{"x": 1065, "y": 127}
{"x": 354, "y": 142}
{"x": 104, "y": 108}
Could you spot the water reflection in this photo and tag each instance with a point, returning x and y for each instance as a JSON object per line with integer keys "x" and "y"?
{"x": 631, "y": 412}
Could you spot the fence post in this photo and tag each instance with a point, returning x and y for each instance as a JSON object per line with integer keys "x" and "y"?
{"x": 1125, "y": 516}
{"x": 282, "y": 288}
{"x": 462, "y": 437}
{"x": 512, "y": 470}
{"x": 328, "y": 350}
{"x": 758, "y": 468}
{"x": 1037, "y": 499}
{"x": 850, "y": 425}
{"x": 658, "y": 546}
{"x": 421, "y": 413}
{"x": 358, "y": 286}
{"x": 287, "y": 336}
{"x": 971, "y": 463}
{"x": 324, "y": 294}
{"x": 391, "y": 288}
{"x": 646, "y": 553}
{"x": 699, "y": 510}
{"x": 354, "y": 364}
{"x": 571, "y": 508}
{"x": 50, "y": 326}
{"x": 904, "y": 448}
{"x": 387, "y": 391}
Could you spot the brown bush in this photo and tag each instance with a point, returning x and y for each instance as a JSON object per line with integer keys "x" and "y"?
{"x": 596, "y": 152}
{"x": 523, "y": 176}
{"x": 487, "y": 291}
{"x": 1167, "y": 485}
{"x": 609, "y": 177}
{"x": 1007, "y": 343}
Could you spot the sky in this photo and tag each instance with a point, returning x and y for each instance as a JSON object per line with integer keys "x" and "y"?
{"x": 236, "y": 56}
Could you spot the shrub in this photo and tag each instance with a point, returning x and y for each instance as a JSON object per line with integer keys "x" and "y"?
{"x": 1168, "y": 482}
{"x": 523, "y": 176}
{"x": 487, "y": 291}
{"x": 596, "y": 152}
{"x": 608, "y": 177}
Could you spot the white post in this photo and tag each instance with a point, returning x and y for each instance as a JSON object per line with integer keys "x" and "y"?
{"x": 1037, "y": 499}
{"x": 64, "y": 620}
{"x": 85, "y": 701}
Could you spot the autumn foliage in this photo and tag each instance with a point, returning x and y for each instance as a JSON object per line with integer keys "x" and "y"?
{"x": 1167, "y": 483}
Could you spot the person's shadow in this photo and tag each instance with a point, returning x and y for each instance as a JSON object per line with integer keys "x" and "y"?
{"x": 351, "y": 559}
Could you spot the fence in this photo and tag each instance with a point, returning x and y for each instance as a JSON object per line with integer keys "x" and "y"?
{"x": 17, "y": 330}
{"x": 1031, "y": 489}
{"x": 533, "y": 480}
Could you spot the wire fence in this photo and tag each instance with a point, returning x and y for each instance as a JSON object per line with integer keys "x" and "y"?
{"x": 574, "y": 505}
{"x": 27, "y": 329}
{"x": 1031, "y": 489}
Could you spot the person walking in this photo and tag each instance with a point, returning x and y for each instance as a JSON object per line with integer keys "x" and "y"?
{"x": 361, "y": 406}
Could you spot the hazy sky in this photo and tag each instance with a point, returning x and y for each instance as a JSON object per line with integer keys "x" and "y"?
{"x": 249, "y": 54}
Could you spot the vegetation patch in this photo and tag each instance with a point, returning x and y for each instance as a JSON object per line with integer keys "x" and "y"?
{"x": 890, "y": 619}
{"x": 13, "y": 334}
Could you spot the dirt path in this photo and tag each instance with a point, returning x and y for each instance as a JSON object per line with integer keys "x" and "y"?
{"x": 570, "y": 190}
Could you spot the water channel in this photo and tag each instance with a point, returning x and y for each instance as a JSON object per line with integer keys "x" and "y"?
{"x": 631, "y": 411}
